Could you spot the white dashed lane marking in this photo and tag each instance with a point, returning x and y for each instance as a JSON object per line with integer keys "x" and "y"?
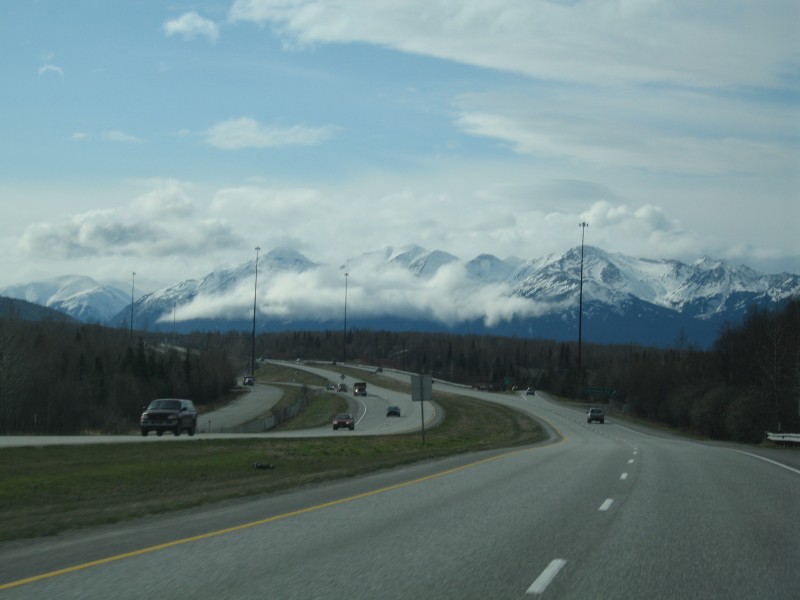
{"x": 547, "y": 576}
{"x": 606, "y": 505}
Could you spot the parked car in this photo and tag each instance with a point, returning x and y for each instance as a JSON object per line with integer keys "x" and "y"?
{"x": 169, "y": 414}
{"x": 595, "y": 414}
{"x": 344, "y": 420}
{"x": 393, "y": 411}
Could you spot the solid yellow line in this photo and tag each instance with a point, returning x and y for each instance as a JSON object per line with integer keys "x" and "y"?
{"x": 204, "y": 536}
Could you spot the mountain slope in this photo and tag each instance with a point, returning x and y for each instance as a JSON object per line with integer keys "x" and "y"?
{"x": 77, "y": 296}
{"x": 624, "y": 299}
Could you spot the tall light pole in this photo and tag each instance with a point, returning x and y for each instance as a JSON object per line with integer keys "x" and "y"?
{"x": 253, "y": 347}
{"x": 344, "y": 332}
{"x": 583, "y": 225}
{"x": 133, "y": 283}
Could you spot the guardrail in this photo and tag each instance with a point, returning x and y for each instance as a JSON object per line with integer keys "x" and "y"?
{"x": 784, "y": 438}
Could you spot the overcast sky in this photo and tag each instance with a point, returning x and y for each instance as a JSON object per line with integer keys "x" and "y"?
{"x": 171, "y": 138}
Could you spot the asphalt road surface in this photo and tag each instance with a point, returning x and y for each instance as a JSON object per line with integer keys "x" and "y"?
{"x": 601, "y": 511}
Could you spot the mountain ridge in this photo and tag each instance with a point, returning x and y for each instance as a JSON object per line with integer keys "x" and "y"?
{"x": 648, "y": 301}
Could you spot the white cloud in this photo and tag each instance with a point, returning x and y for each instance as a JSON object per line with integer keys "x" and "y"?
{"x": 449, "y": 297}
{"x": 51, "y": 69}
{"x": 267, "y": 203}
{"x": 121, "y": 136}
{"x": 709, "y": 44}
{"x": 680, "y": 132}
{"x": 235, "y": 134}
{"x": 190, "y": 25}
{"x": 159, "y": 223}
{"x": 167, "y": 198}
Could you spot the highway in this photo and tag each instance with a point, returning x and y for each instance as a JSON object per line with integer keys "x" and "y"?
{"x": 370, "y": 413}
{"x": 600, "y": 511}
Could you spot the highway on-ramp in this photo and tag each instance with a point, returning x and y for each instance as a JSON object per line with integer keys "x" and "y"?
{"x": 602, "y": 511}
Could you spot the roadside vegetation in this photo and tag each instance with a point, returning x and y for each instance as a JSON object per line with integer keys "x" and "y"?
{"x": 46, "y": 492}
{"x": 747, "y": 383}
{"x": 66, "y": 378}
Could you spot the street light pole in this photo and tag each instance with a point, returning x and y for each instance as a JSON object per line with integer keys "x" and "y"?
{"x": 133, "y": 283}
{"x": 583, "y": 225}
{"x": 344, "y": 332}
{"x": 253, "y": 347}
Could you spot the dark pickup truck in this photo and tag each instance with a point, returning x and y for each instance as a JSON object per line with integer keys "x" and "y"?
{"x": 169, "y": 414}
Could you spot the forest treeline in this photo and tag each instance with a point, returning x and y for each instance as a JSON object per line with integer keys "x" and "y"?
{"x": 67, "y": 378}
{"x": 62, "y": 378}
{"x": 746, "y": 384}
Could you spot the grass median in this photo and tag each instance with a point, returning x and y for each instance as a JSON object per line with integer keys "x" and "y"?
{"x": 49, "y": 490}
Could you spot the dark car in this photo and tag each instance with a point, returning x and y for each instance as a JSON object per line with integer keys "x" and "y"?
{"x": 530, "y": 392}
{"x": 344, "y": 420}
{"x": 595, "y": 414}
{"x": 248, "y": 380}
{"x": 393, "y": 411}
{"x": 169, "y": 414}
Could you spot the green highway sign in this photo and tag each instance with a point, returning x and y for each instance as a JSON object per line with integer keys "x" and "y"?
{"x": 601, "y": 391}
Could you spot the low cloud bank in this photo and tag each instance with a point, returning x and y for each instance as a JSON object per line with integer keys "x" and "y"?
{"x": 449, "y": 297}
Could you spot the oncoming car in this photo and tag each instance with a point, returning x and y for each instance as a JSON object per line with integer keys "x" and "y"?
{"x": 393, "y": 411}
{"x": 169, "y": 414}
{"x": 344, "y": 420}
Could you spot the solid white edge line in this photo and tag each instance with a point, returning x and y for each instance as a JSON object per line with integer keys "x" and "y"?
{"x": 607, "y": 504}
{"x": 774, "y": 462}
{"x": 547, "y": 576}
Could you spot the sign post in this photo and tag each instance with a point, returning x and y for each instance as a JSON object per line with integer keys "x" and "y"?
{"x": 421, "y": 391}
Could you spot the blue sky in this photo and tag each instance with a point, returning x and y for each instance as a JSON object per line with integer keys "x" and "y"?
{"x": 170, "y": 139}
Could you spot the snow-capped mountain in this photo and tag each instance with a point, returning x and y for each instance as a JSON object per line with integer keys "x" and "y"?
{"x": 652, "y": 301}
{"x": 80, "y": 297}
{"x": 490, "y": 269}
{"x": 703, "y": 288}
{"x": 625, "y": 299}
{"x": 158, "y": 309}
{"x": 419, "y": 261}
{"x": 414, "y": 259}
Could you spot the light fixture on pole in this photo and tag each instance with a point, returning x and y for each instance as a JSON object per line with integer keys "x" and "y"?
{"x": 583, "y": 225}
{"x": 344, "y": 332}
{"x": 253, "y": 346}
